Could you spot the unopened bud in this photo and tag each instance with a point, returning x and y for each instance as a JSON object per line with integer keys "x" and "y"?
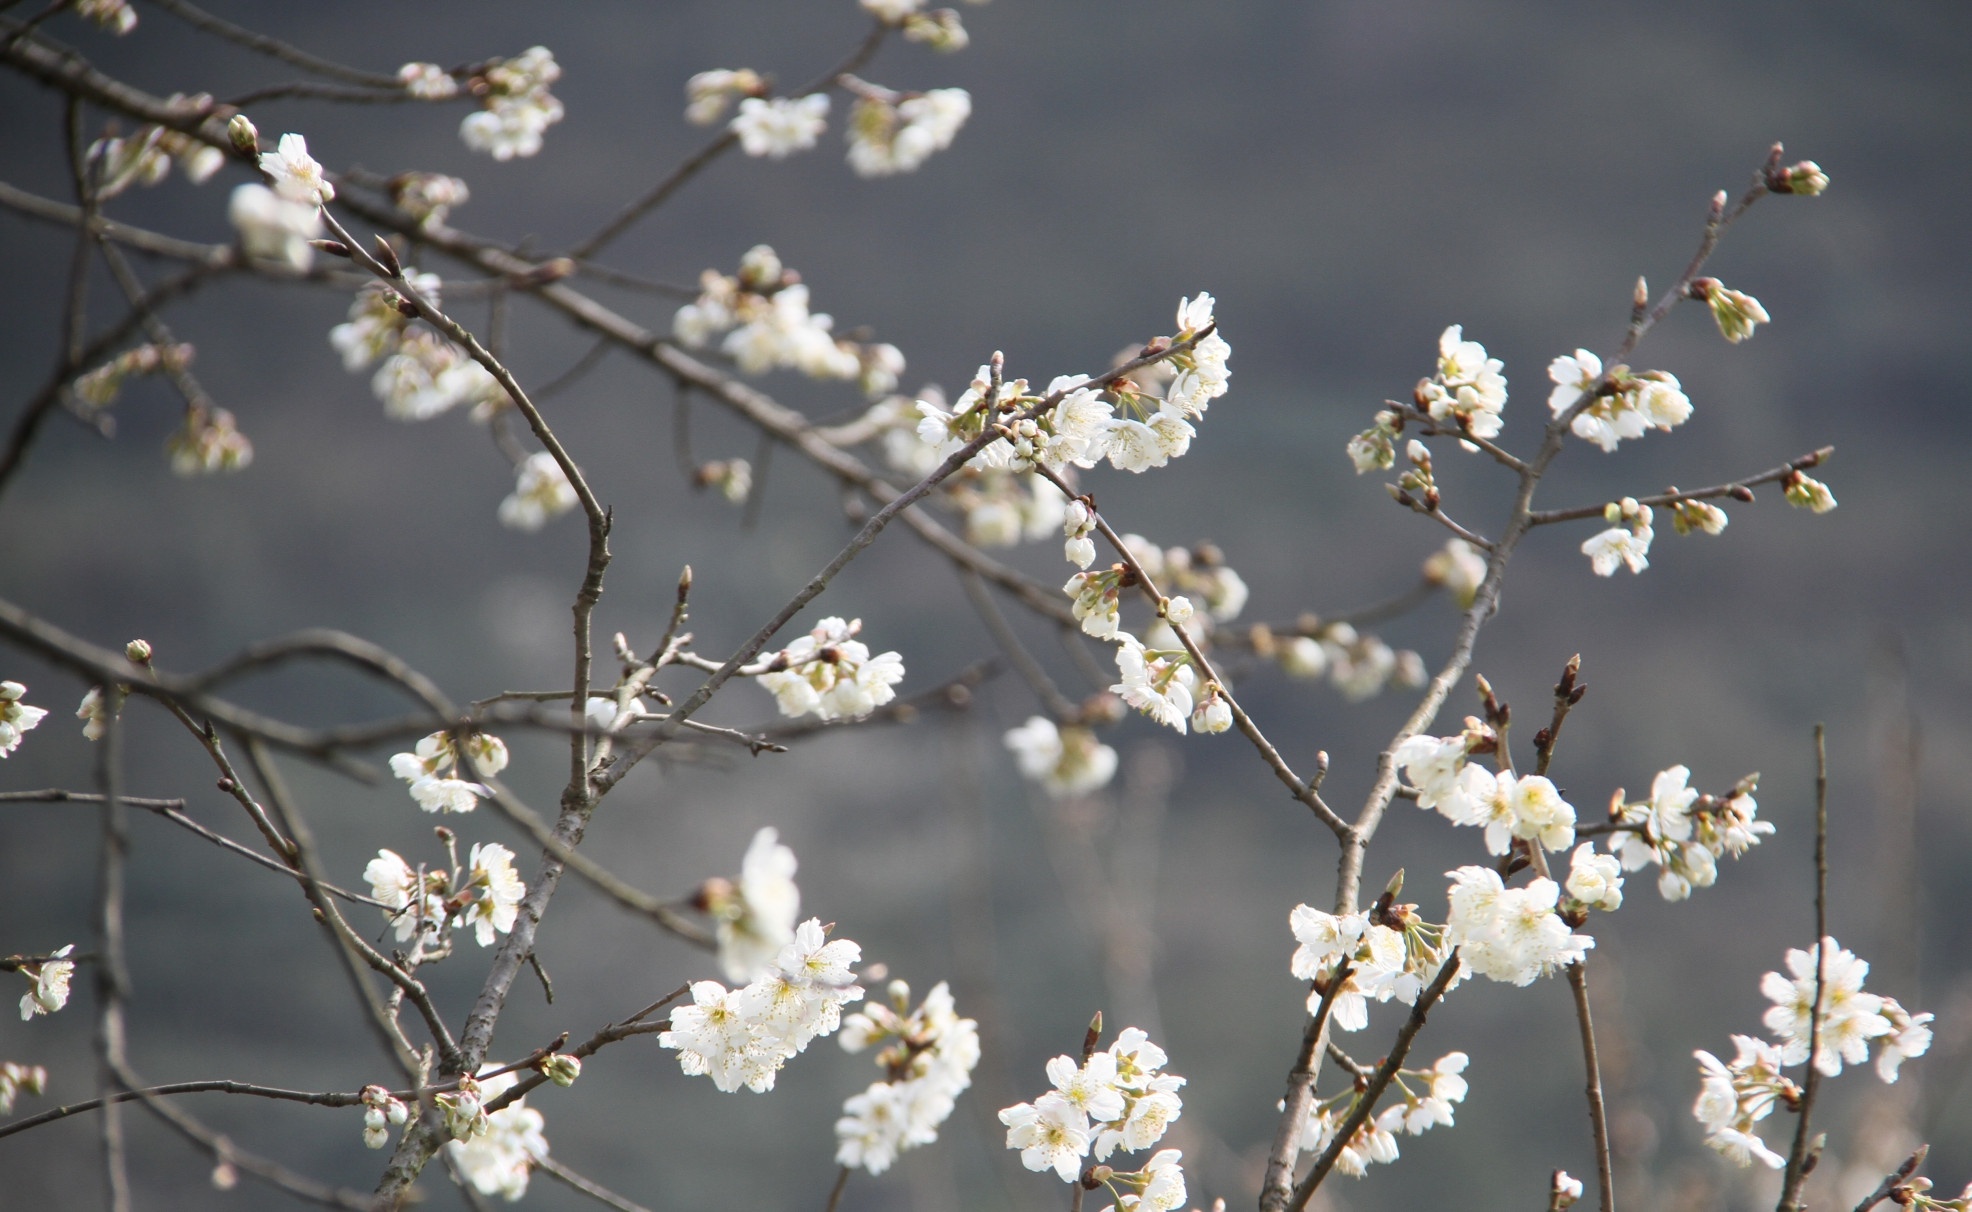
{"x": 1805, "y": 179}
{"x": 333, "y": 248}
{"x": 224, "y": 1176}
{"x": 562, "y": 1069}
{"x": 387, "y": 257}
{"x": 245, "y": 138}
{"x": 137, "y": 652}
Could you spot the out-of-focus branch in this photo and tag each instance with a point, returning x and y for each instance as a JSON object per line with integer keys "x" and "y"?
{"x": 274, "y": 48}
{"x": 1801, "y": 1155}
{"x": 589, "y": 1187}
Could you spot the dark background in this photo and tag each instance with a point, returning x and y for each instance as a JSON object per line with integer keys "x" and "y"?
{"x": 1348, "y": 178}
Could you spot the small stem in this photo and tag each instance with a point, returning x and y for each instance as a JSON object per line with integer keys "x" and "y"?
{"x": 1797, "y": 1155}
{"x": 835, "y": 1192}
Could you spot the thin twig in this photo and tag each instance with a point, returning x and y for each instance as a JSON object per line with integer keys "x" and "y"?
{"x": 694, "y": 163}
{"x": 1896, "y": 1178}
{"x": 274, "y": 48}
{"x": 1739, "y": 489}
{"x": 594, "y": 1190}
{"x": 1800, "y": 1155}
{"x": 112, "y": 976}
{"x": 842, "y": 1183}
{"x": 1037, "y": 678}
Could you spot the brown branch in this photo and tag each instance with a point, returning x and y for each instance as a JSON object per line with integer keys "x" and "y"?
{"x": 1887, "y": 1188}
{"x": 1385, "y": 1073}
{"x": 171, "y": 810}
{"x": 1305, "y": 790}
{"x": 273, "y": 47}
{"x": 212, "y": 1086}
{"x": 842, "y": 1184}
{"x": 1030, "y": 670}
{"x": 1301, "y": 1079}
{"x": 112, "y": 976}
{"x": 1800, "y": 1157}
{"x": 1740, "y": 489}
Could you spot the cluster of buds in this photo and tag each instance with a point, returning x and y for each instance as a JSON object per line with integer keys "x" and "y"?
{"x": 1702, "y": 516}
{"x": 383, "y": 1111}
{"x": 428, "y": 81}
{"x": 560, "y": 1068}
{"x": 115, "y": 16}
{"x": 1563, "y": 1192}
{"x": 709, "y": 94}
{"x": 1805, "y": 492}
{"x": 208, "y": 442}
{"x": 518, "y": 107}
{"x": 1359, "y": 664}
{"x": 464, "y": 1109}
{"x": 1803, "y": 178}
{"x": 1375, "y": 448}
{"x": 100, "y": 387}
{"x": 1418, "y": 480}
{"x": 1095, "y": 597}
{"x": 16, "y": 717}
{"x": 16, "y": 1079}
{"x": 940, "y": 29}
{"x": 1736, "y": 313}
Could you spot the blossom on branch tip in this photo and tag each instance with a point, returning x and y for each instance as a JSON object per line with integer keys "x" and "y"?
{"x": 1736, "y": 314}
{"x": 1686, "y": 833}
{"x": 780, "y": 126}
{"x": 941, "y": 30}
{"x": 209, "y": 441}
{"x": 1117, "y": 1098}
{"x": 1687, "y": 516}
{"x": 414, "y": 903}
{"x": 1468, "y": 391}
{"x": 1806, "y": 492}
{"x": 50, "y": 978}
{"x": 16, "y": 717}
{"x": 1595, "y": 881}
{"x": 428, "y": 81}
{"x": 294, "y": 173}
{"x": 831, "y": 674}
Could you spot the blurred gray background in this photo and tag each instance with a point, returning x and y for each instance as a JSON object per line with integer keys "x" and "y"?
{"x": 1348, "y": 178}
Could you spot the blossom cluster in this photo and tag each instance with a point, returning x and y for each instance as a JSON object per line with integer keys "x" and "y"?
{"x": 928, "y": 1055}
{"x": 541, "y": 491}
{"x": 15, "y": 1079}
{"x": 939, "y": 29}
{"x": 432, "y": 770}
{"x": 1734, "y": 1097}
{"x": 1685, "y": 833}
{"x": 1468, "y": 391}
{"x": 742, "y": 1037}
{"x": 1627, "y": 541}
{"x": 1118, "y": 1097}
{"x": 1622, "y": 405}
{"x": 1384, "y": 960}
{"x": 274, "y": 230}
{"x": 209, "y": 441}
{"x": 754, "y": 915}
{"x": 485, "y": 896}
{"x": 887, "y": 137}
{"x": 50, "y": 979}
{"x": 762, "y": 311}
{"x": 518, "y": 107}
{"x": 1509, "y": 806}
{"x": 1360, "y": 665}
{"x": 1509, "y": 934}
{"x": 422, "y": 373}
{"x": 1424, "y": 1105}
{"x": 1067, "y": 759}
{"x": 100, "y": 387}
{"x": 831, "y": 673}
{"x": 16, "y": 717}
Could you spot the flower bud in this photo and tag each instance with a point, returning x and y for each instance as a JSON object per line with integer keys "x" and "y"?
{"x": 137, "y": 652}
{"x": 562, "y": 1069}
{"x": 1805, "y": 179}
{"x": 1736, "y": 314}
{"x": 245, "y": 138}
